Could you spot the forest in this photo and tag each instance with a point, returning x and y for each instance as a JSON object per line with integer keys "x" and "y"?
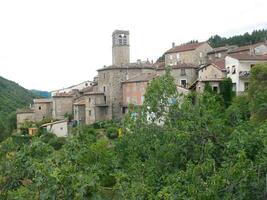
{"x": 12, "y": 97}
{"x": 198, "y": 146}
{"x": 239, "y": 40}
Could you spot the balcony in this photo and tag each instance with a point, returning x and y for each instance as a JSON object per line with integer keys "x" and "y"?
{"x": 244, "y": 74}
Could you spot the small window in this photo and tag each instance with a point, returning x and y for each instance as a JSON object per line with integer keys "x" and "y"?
{"x": 215, "y": 88}
{"x": 61, "y": 128}
{"x": 233, "y": 69}
{"x": 246, "y": 86}
{"x": 40, "y": 108}
{"x": 183, "y": 72}
{"x": 123, "y": 110}
{"x": 105, "y": 99}
{"x": 252, "y": 65}
{"x": 86, "y": 84}
{"x": 183, "y": 83}
{"x": 200, "y": 54}
{"x": 104, "y": 89}
{"x": 89, "y": 100}
{"x": 90, "y": 113}
{"x": 104, "y": 75}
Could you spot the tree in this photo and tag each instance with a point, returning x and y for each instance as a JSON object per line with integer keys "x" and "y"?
{"x": 226, "y": 91}
{"x": 258, "y": 92}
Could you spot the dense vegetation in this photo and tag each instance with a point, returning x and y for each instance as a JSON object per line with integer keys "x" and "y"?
{"x": 205, "y": 149}
{"x": 240, "y": 40}
{"x": 43, "y": 94}
{"x": 12, "y": 96}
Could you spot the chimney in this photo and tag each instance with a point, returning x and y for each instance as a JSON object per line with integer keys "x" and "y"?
{"x": 173, "y": 44}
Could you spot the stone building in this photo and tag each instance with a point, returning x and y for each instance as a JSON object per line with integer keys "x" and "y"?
{"x": 220, "y": 52}
{"x": 24, "y": 115}
{"x": 42, "y": 109}
{"x": 120, "y": 47}
{"x": 184, "y": 73}
{"x": 212, "y": 74}
{"x": 194, "y": 53}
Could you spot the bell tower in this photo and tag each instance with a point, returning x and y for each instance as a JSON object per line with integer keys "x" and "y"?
{"x": 120, "y": 47}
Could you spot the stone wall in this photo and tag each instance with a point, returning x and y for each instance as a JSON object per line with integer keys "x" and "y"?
{"x": 61, "y": 106}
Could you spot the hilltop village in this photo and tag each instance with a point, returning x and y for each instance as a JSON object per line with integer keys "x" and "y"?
{"x": 116, "y": 86}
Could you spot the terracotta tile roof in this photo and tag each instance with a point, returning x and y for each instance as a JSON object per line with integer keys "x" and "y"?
{"x": 144, "y": 77}
{"x": 87, "y": 89}
{"x": 220, "y": 64}
{"x": 221, "y": 49}
{"x": 246, "y": 48}
{"x": 184, "y": 47}
{"x": 246, "y": 56}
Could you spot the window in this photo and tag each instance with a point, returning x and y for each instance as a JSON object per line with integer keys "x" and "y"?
{"x": 178, "y": 56}
{"x": 233, "y": 69}
{"x": 246, "y": 86}
{"x": 200, "y": 54}
{"x": 215, "y": 88}
{"x": 86, "y": 84}
{"x": 104, "y": 75}
{"x": 40, "y": 108}
{"x": 228, "y": 70}
{"x": 170, "y": 56}
{"x": 90, "y": 113}
{"x": 183, "y": 83}
{"x": 219, "y": 55}
{"x": 89, "y": 100}
{"x": 123, "y": 110}
{"x": 252, "y": 65}
{"x": 183, "y": 72}
{"x": 105, "y": 99}
{"x": 104, "y": 89}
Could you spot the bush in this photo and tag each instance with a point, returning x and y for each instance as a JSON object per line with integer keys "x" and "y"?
{"x": 112, "y": 132}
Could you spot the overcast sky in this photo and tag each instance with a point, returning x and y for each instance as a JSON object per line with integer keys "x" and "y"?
{"x": 51, "y": 44}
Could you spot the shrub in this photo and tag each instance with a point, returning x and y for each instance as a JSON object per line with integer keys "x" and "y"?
{"x": 112, "y": 132}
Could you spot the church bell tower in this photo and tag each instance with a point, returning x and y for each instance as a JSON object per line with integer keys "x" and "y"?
{"x": 120, "y": 47}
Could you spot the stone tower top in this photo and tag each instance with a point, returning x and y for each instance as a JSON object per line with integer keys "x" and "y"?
{"x": 120, "y": 47}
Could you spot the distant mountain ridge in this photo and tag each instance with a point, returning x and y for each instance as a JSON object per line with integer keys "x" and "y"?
{"x": 12, "y": 97}
{"x": 43, "y": 94}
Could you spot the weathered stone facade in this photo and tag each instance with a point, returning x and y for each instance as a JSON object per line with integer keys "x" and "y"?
{"x": 42, "y": 109}
{"x": 120, "y": 47}
{"x": 195, "y": 53}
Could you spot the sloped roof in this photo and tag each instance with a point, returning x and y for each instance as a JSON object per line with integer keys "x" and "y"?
{"x": 246, "y": 47}
{"x": 184, "y": 47}
{"x": 246, "y": 56}
{"x": 221, "y": 49}
{"x": 220, "y": 64}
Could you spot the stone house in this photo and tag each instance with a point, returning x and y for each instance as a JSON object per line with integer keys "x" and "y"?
{"x": 212, "y": 74}
{"x": 194, "y": 53}
{"x": 184, "y": 73}
{"x": 220, "y": 52}
{"x": 257, "y": 49}
{"x": 42, "y": 109}
{"x": 238, "y": 68}
{"x": 24, "y": 115}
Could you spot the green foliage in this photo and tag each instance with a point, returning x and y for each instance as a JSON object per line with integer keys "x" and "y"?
{"x": 240, "y": 40}
{"x": 202, "y": 151}
{"x": 112, "y": 132}
{"x": 12, "y": 97}
{"x": 226, "y": 91}
{"x": 258, "y": 92}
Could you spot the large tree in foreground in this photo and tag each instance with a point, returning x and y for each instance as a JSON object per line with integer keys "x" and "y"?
{"x": 258, "y": 92}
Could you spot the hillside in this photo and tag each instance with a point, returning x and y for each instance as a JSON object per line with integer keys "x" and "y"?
{"x": 43, "y": 94}
{"x": 12, "y": 96}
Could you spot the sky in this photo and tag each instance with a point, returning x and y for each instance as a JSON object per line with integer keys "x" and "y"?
{"x": 53, "y": 44}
